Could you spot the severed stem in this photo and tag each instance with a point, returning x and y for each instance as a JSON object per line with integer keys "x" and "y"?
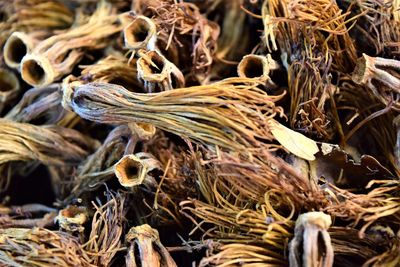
{"x": 311, "y": 245}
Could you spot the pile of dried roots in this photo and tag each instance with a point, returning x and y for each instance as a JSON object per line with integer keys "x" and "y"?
{"x": 170, "y": 133}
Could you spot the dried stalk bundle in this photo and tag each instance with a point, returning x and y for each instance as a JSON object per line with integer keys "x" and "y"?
{"x": 263, "y": 231}
{"x": 34, "y": 15}
{"x": 113, "y": 69}
{"x": 149, "y": 247}
{"x": 231, "y": 114}
{"x": 177, "y": 183}
{"x": 381, "y": 76}
{"x": 9, "y": 88}
{"x": 179, "y": 23}
{"x": 379, "y": 27}
{"x": 379, "y": 205}
{"x": 27, "y": 216}
{"x": 107, "y": 229}
{"x": 142, "y": 97}
{"x": 245, "y": 182}
{"x": 98, "y": 167}
{"x": 374, "y": 122}
{"x": 55, "y": 56}
{"x": 388, "y": 258}
{"x": 314, "y": 43}
{"x": 51, "y": 145}
{"x": 43, "y": 106}
{"x": 40, "y": 247}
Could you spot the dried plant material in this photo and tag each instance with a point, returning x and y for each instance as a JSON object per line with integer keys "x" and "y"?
{"x": 380, "y": 75}
{"x": 34, "y": 15}
{"x": 151, "y": 251}
{"x": 55, "y": 56}
{"x": 17, "y": 46}
{"x": 179, "y": 23}
{"x": 141, "y": 33}
{"x": 295, "y": 142}
{"x": 311, "y": 245}
{"x": 40, "y": 247}
{"x": 157, "y": 73}
{"x": 315, "y": 45}
{"x": 231, "y": 114}
{"x": 339, "y": 167}
{"x": 238, "y": 254}
{"x": 52, "y": 145}
{"x": 144, "y": 131}
{"x": 374, "y": 118}
{"x": 234, "y": 40}
{"x": 98, "y": 167}
{"x": 396, "y": 123}
{"x": 113, "y": 69}
{"x": 134, "y": 170}
{"x": 72, "y": 218}
{"x": 49, "y": 145}
{"x": 27, "y": 216}
{"x": 378, "y": 205}
{"x": 42, "y": 105}
{"x": 107, "y": 229}
{"x": 151, "y": 137}
{"x": 254, "y": 66}
{"x": 388, "y": 258}
{"x": 379, "y": 28}
{"x": 9, "y": 88}
{"x": 236, "y": 228}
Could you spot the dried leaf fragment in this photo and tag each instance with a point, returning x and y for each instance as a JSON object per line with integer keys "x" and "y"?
{"x": 295, "y": 142}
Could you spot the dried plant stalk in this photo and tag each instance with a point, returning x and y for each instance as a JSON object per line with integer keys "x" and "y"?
{"x": 151, "y": 250}
{"x": 379, "y": 27}
{"x": 107, "y": 229}
{"x": 27, "y": 216}
{"x": 179, "y": 23}
{"x": 141, "y": 33}
{"x": 55, "y": 57}
{"x": 98, "y": 167}
{"x": 378, "y": 205}
{"x": 231, "y": 114}
{"x": 34, "y": 15}
{"x": 9, "y": 88}
{"x": 255, "y": 66}
{"x": 315, "y": 43}
{"x": 134, "y": 170}
{"x": 42, "y": 105}
{"x": 113, "y": 69}
{"x": 49, "y": 145}
{"x": 157, "y": 73}
{"x": 382, "y": 76}
{"x": 72, "y": 218}
{"x": 18, "y": 45}
{"x": 311, "y": 245}
{"x": 40, "y": 247}
{"x": 263, "y": 230}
